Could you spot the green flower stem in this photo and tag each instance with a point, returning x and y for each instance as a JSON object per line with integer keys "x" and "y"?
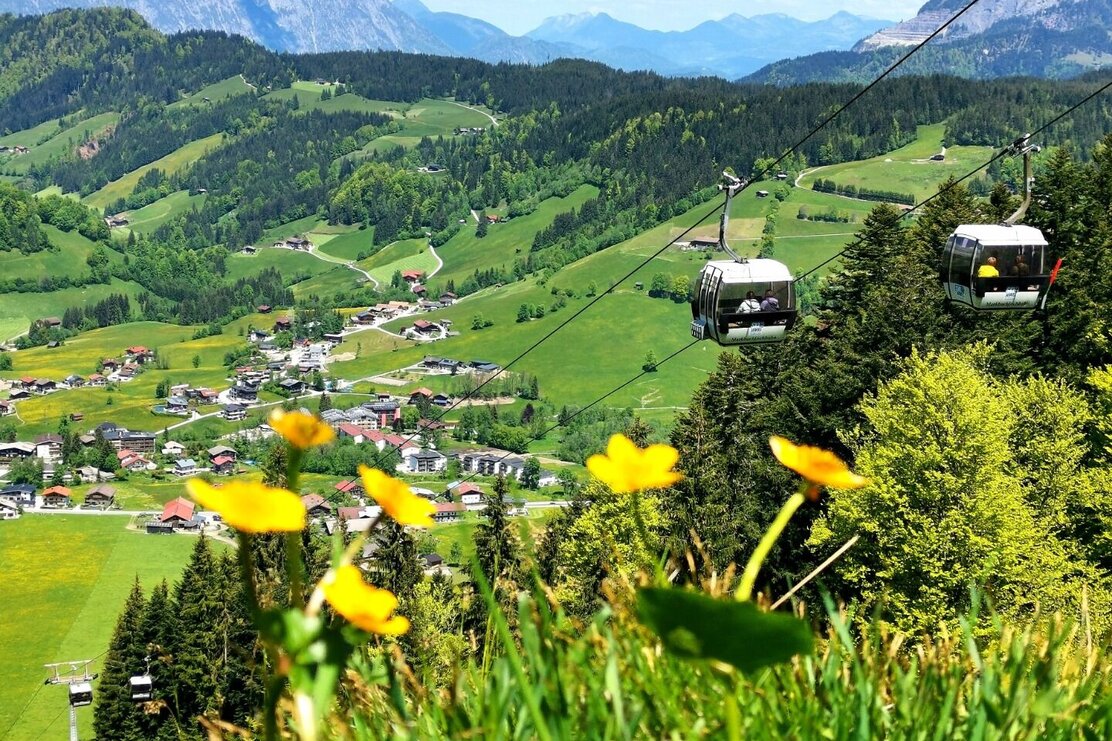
{"x": 293, "y": 540}
{"x": 749, "y": 576}
{"x": 247, "y": 572}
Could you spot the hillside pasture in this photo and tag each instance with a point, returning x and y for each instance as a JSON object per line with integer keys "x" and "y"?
{"x": 465, "y": 253}
{"x": 291, "y": 263}
{"x": 336, "y": 280}
{"x": 174, "y": 162}
{"x": 348, "y": 246}
{"x": 61, "y": 603}
{"x": 62, "y": 143}
{"x": 68, "y": 260}
{"x": 908, "y": 169}
{"x": 215, "y": 93}
{"x": 408, "y": 254}
{"x": 18, "y": 310}
{"x": 148, "y": 218}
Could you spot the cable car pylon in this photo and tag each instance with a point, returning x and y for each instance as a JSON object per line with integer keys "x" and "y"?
{"x": 76, "y": 676}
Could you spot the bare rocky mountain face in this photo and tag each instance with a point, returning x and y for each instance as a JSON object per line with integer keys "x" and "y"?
{"x": 287, "y": 25}
{"x": 1055, "y": 15}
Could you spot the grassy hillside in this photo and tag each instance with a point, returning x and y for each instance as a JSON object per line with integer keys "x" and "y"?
{"x": 62, "y": 143}
{"x": 129, "y": 405}
{"x": 908, "y": 169}
{"x": 174, "y": 162}
{"x": 68, "y": 260}
{"x": 18, "y": 310}
{"x": 61, "y": 603}
{"x": 407, "y": 254}
{"x": 465, "y": 253}
{"x": 153, "y": 215}
{"x": 347, "y": 246}
{"x": 215, "y": 92}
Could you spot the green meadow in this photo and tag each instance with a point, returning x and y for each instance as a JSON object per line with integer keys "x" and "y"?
{"x": 348, "y": 246}
{"x": 69, "y": 577}
{"x": 61, "y": 143}
{"x": 176, "y": 161}
{"x": 465, "y": 253}
{"x": 67, "y": 260}
{"x": 148, "y": 218}
{"x": 409, "y": 254}
{"x": 215, "y": 92}
{"x": 908, "y": 169}
{"x": 18, "y": 310}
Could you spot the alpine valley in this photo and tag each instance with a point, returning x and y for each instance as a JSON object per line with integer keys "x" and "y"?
{"x": 471, "y": 386}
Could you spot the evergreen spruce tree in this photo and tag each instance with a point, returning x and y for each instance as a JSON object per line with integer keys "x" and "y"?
{"x": 156, "y": 633}
{"x": 115, "y": 716}
{"x": 394, "y": 564}
{"x": 497, "y": 554}
{"x": 197, "y": 645}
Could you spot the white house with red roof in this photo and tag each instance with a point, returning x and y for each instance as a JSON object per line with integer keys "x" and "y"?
{"x": 57, "y": 496}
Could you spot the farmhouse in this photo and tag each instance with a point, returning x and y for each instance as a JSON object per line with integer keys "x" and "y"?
{"x": 15, "y": 451}
{"x": 57, "y": 497}
{"x": 101, "y": 495}
{"x": 448, "y": 512}
{"x": 178, "y": 513}
{"x": 6, "y": 408}
{"x": 223, "y": 465}
{"x": 234, "y": 412}
{"x": 139, "y": 354}
{"x": 173, "y": 448}
{"x": 185, "y": 467}
{"x": 19, "y": 495}
{"x": 292, "y": 385}
{"x": 97, "y": 379}
{"x": 354, "y": 488}
{"x": 44, "y": 386}
{"x": 418, "y": 395}
{"x": 283, "y": 324}
{"x": 222, "y": 450}
{"x": 316, "y": 506}
{"x": 412, "y": 276}
{"x": 49, "y": 446}
{"x": 92, "y": 474}
{"x": 8, "y": 511}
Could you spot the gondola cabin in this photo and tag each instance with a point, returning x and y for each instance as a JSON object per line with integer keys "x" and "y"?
{"x": 81, "y": 694}
{"x": 141, "y": 688}
{"x": 743, "y": 303}
{"x": 994, "y": 267}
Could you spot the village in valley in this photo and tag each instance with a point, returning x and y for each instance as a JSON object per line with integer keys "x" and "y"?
{"x": 283, "y": 362}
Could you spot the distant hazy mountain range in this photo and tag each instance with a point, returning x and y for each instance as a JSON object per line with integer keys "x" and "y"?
{"x": 732, "y": 47}
{"x": 1044, "y": 38}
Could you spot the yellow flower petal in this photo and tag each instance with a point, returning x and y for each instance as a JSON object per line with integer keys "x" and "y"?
{"x": 362, "y": 605}
{"x": 626, "y": 468}
{"x": 300, "y": 429}
{"x": 396, "y": 499}
{"x": 250, "y": 507}
{"x": 815, "y": 464}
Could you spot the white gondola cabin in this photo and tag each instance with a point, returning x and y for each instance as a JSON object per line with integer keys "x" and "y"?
{"x": 995, "y": 267}
{"x": 743, "y": 303}
{"x": 141, "y": 688}
{"x": 80, "y": 694}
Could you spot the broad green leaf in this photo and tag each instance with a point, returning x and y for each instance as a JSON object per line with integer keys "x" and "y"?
{"x": 695, "y": 626}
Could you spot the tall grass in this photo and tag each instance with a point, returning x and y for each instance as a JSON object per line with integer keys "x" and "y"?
{"x": 609, "y": 679}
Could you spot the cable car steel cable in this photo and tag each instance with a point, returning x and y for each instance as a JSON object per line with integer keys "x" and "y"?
{"x": 745, "y": 184}
{"x": 999, "y": 155}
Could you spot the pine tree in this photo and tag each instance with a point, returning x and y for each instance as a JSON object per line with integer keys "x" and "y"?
{"x": 196, "y": 645}
{"x": 156, "y": 632}
{"x": 115, "y": 715}
{"x": 394, "y": 563}
{"x": 325, "y": 403}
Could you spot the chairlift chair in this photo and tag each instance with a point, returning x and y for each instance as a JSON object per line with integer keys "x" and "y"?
{"x": 729, "y": 293}
{"x": 81, "y": 694}
{"x": 1017, "y": 254}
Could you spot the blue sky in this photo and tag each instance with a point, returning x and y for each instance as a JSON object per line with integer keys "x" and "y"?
{"x": 520, "y": 16}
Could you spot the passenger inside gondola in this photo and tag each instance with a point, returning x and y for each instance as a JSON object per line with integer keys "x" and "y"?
{"x": 750, "y": 304}
{"x": 988, "y": 270}
{"x": 1021, "y": 269}
{"x": 770, "y": 302}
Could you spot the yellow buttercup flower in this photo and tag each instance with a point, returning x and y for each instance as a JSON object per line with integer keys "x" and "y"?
{"x": 820, "y": 467}
{"x": 361, "y": 604}
{"x": 626, "y": 468}
{"x": 300, "y": 429}
{"x": 396, "y": 498}
{"x": 251, "y": 508}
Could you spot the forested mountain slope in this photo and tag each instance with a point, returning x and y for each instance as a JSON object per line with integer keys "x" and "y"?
{"x": 1041, "y": 38}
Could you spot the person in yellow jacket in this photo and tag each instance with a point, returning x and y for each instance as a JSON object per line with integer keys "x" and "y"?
{"x": 988, "y": 270}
